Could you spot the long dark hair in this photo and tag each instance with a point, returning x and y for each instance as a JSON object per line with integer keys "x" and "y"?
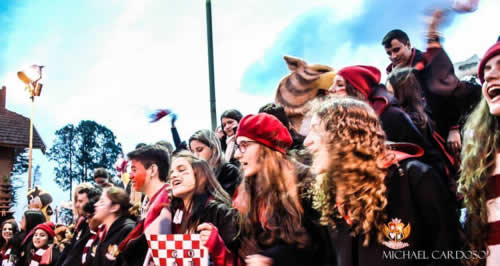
{"x": 408, "y": 92}
{"x": 15, "y": 230}
{"x": 206, "y": 186}
{"x": 233, "y": 114}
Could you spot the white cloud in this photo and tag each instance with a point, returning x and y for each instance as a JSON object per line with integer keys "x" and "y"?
{"x": 141, "y": 55}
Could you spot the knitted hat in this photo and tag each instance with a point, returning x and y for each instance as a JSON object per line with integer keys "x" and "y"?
{"x": 493, "y": 51}
{"x": 267, "y": 130}
{"x": 363, "y": 78}
{"x": 48, "y": 227}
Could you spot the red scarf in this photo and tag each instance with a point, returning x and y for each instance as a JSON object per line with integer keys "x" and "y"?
{"x": 99, "y": 236}
{"x": 5, "y": 253}
{"x": 42, "y": 257}
{"x": 157, "y": 203}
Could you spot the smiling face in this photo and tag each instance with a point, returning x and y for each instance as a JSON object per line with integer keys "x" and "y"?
{"x": 315, "y": 143}
{"x": 138, "y": 175}
{"x": 7, "y": 231}
{"x": 40, "y": 238}
{"x": 491, "y": 85}
{"x": 399, "y": 53}
{"x": 182, "y": 178}
{"x": 103, "y": 208}
{"x": 81, "y": 200}
{"x": 200, "y": 150}
{"x": 248, "y": 156}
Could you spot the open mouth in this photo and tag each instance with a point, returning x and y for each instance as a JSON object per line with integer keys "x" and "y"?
{"x": 176, "y": 182}
{"x": 494, "y": 91}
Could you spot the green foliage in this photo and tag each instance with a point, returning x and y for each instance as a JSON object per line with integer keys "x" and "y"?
{"x": 19, "y": 168}
{"x": 65, "y": 216}
{"x": 37, "y": 176}
{"x": 77, "y": 151}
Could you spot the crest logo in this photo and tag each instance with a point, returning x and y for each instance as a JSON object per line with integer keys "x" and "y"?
{"x": 113, "y": 252}
{"x": 396, "y": 232}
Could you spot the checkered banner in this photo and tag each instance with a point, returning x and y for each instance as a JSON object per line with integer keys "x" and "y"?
{"x": 177, "y": 250}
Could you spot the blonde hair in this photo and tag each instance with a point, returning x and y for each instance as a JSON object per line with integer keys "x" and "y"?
{"x": 480, "y": 146}
{"x": 355, "y": 142}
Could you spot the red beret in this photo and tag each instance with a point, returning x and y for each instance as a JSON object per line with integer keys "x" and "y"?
{"x": 363, "y": 78}
{"x": 267, "y": 130}
{"x": 493, "y": 51}
{"x": 48, "y": 227}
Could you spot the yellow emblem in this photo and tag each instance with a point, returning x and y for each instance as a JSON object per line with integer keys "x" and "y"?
{"x": 396, "y": 232}
{"x": 113, "y": 252}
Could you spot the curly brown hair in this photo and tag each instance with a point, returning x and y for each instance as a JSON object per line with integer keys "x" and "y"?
{"x": 272, "y": 203}
{"x": 355, "y": 143}
{"x": 480, "y": 146}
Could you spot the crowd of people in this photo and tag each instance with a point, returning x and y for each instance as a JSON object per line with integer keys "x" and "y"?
{"x": 378, "y": 179}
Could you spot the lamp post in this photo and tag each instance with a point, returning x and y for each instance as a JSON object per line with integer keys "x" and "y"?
{"x": 213, "y": 112}
{"x": 31, "y": 78}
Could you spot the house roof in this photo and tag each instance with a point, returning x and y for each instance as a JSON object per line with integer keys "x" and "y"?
{"x": 15, "y": 131}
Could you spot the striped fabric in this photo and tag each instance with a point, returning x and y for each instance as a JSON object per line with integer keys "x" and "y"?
{"x": 493, "y": 206}
{"x": 99, "y": 236}
{"x": 6, "y": 258}
{"x": 5, "y": 254}
{"x": 86, "y": 249}
{"x": 37, "y": 257}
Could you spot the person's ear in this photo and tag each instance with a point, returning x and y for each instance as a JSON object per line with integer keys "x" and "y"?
{"x": 115, "y": 208}
{"x": 154, "y": 170}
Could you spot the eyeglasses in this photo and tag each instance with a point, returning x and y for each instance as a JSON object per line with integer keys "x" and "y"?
{"x": 243, "y": 145}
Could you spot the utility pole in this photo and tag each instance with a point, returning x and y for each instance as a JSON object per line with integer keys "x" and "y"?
{"x": 213, "y": 111}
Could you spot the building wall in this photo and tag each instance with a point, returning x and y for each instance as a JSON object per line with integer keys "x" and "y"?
{"x": 5, "y": 162}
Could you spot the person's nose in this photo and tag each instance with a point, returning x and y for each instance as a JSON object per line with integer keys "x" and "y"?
{"x": 237, "y": 154}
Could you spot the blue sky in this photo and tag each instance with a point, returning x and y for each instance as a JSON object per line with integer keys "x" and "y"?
{"x": 115, "y": 61}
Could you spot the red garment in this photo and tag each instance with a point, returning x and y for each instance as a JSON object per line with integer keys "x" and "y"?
{"x": 219, "y": 254}
{"x": 267, "y": 130}
{"x": 159, "y": 201}
{"x": 363, "y": 78}
{"x": 48, "y": 227}
{"x": 493, "y": 51}
{"x": 493, "y": 192}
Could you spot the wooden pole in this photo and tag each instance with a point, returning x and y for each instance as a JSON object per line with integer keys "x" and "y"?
{"x": 31, "y": 141}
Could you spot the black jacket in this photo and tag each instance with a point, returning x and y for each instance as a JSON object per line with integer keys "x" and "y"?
{"x": 448, "y": 100}
{"x": 229, "y": 177}
{"x": 114, "y": 236}
{"x": 72, "y": 254}
{"x": 222, "y": 216}
{"x": 419, "y": 199}
{"x": 399, "y": 127}
{"x": 135, "y": 252}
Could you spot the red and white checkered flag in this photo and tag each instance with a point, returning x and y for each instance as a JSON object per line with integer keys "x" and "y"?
{"x": 177, "y": 250}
